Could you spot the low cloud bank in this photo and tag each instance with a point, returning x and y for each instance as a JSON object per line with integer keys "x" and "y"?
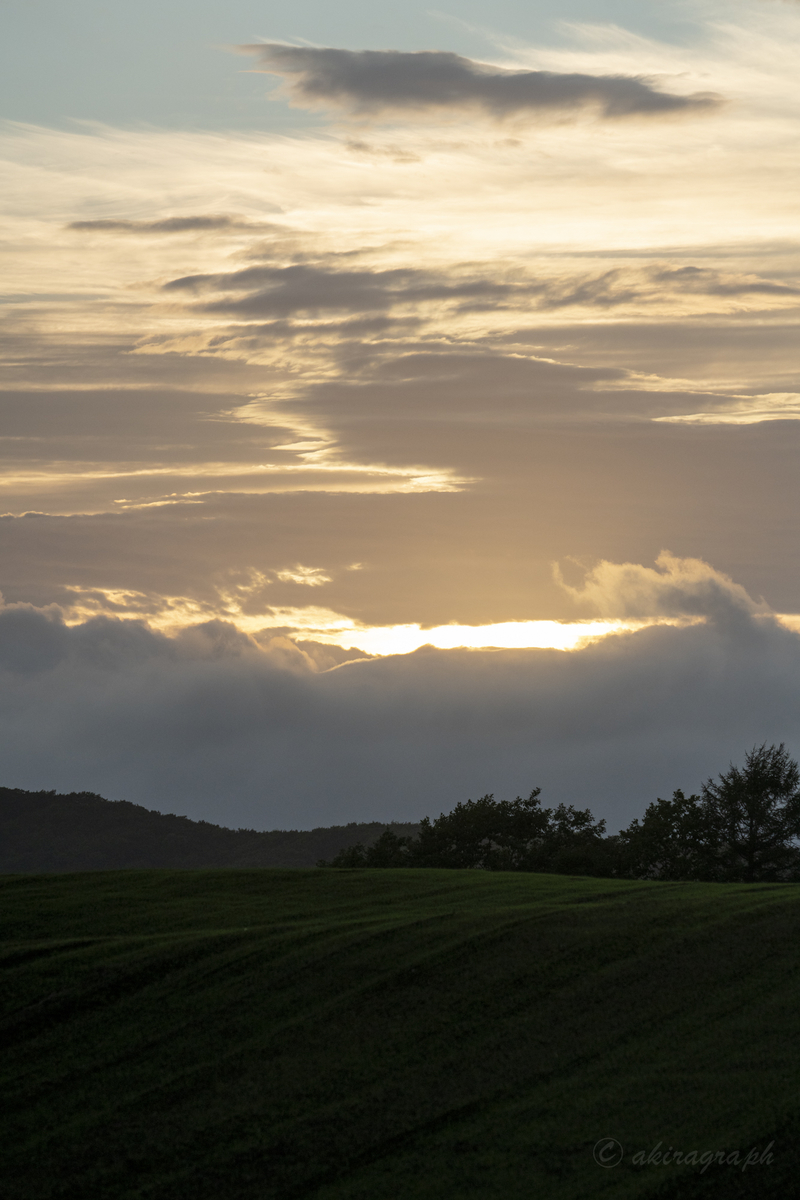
{"x": 368, "y": 82}
{"x": 214, "y": 725}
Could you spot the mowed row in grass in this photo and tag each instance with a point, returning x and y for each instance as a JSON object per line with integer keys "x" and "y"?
{"x": 394, "y": 1034}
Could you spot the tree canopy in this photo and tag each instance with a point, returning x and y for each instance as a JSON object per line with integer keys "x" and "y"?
{"x": 495, "y": 835}
{"x": 744, "y": 826}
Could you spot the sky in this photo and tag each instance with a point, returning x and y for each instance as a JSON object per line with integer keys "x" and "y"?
{"x": 398, "y": 404}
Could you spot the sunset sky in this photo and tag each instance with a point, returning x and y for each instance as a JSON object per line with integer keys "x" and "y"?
{"x": 399, "y": 403}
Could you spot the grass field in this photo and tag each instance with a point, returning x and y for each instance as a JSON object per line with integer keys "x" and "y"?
{"x": 385, "y": 1035}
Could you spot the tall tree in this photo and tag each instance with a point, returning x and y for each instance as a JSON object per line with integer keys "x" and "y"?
{"x": 742, "y": 827}
{"x": 753, "y": 816}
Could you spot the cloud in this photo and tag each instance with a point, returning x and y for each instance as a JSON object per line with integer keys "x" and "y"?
{"x": 303, "y": 287}
{"x": 306, "y": 576}
{"x": 714, "y": 283}
{"x": 214, "y": 725}
{"x": 196, "y": 224}
{"x": 268, "y": 290}
{"x": 31, "y": 639}
{"x": 743, "y": 410}
{"x": 368, "y": 82}
{"x": 678, "y": 587}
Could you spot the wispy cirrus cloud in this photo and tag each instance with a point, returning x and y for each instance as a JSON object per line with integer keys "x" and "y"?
{"x": 371, "y": 82}
{"x": 305, "y": 576}
{"x": 742, "y": 410}
{"x": 170, "y": 225}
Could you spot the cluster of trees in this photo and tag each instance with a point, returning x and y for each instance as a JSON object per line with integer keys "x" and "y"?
{"x": 743, "y": 827}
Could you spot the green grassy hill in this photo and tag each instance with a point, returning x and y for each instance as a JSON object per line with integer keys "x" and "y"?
{"x": 389, "y": 1035}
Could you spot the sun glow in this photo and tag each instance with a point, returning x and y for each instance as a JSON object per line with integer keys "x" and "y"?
{"x": 506, "y": 635}
{"x": 316, "y": 623}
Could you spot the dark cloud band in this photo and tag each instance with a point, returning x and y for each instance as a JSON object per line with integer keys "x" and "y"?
{"x": 373, "y": 81}
{"x": 266, "y": 290}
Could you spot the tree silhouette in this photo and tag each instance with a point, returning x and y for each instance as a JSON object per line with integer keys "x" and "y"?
{"x": 388, "y": 851}
{"x": 495, "y": 835}
{"x": 742, "y": 827}
{"x": 753, "y": 816}
{"x": 670, "y": 842}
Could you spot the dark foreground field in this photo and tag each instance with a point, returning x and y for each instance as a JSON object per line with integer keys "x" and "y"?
{"x": 395, "y": 1034}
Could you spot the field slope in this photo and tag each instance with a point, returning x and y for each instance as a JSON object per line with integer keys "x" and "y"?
{"x": 386, "y": 1035}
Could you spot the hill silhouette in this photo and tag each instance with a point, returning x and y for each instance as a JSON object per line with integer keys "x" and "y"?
{"x": 80, "y": 831}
